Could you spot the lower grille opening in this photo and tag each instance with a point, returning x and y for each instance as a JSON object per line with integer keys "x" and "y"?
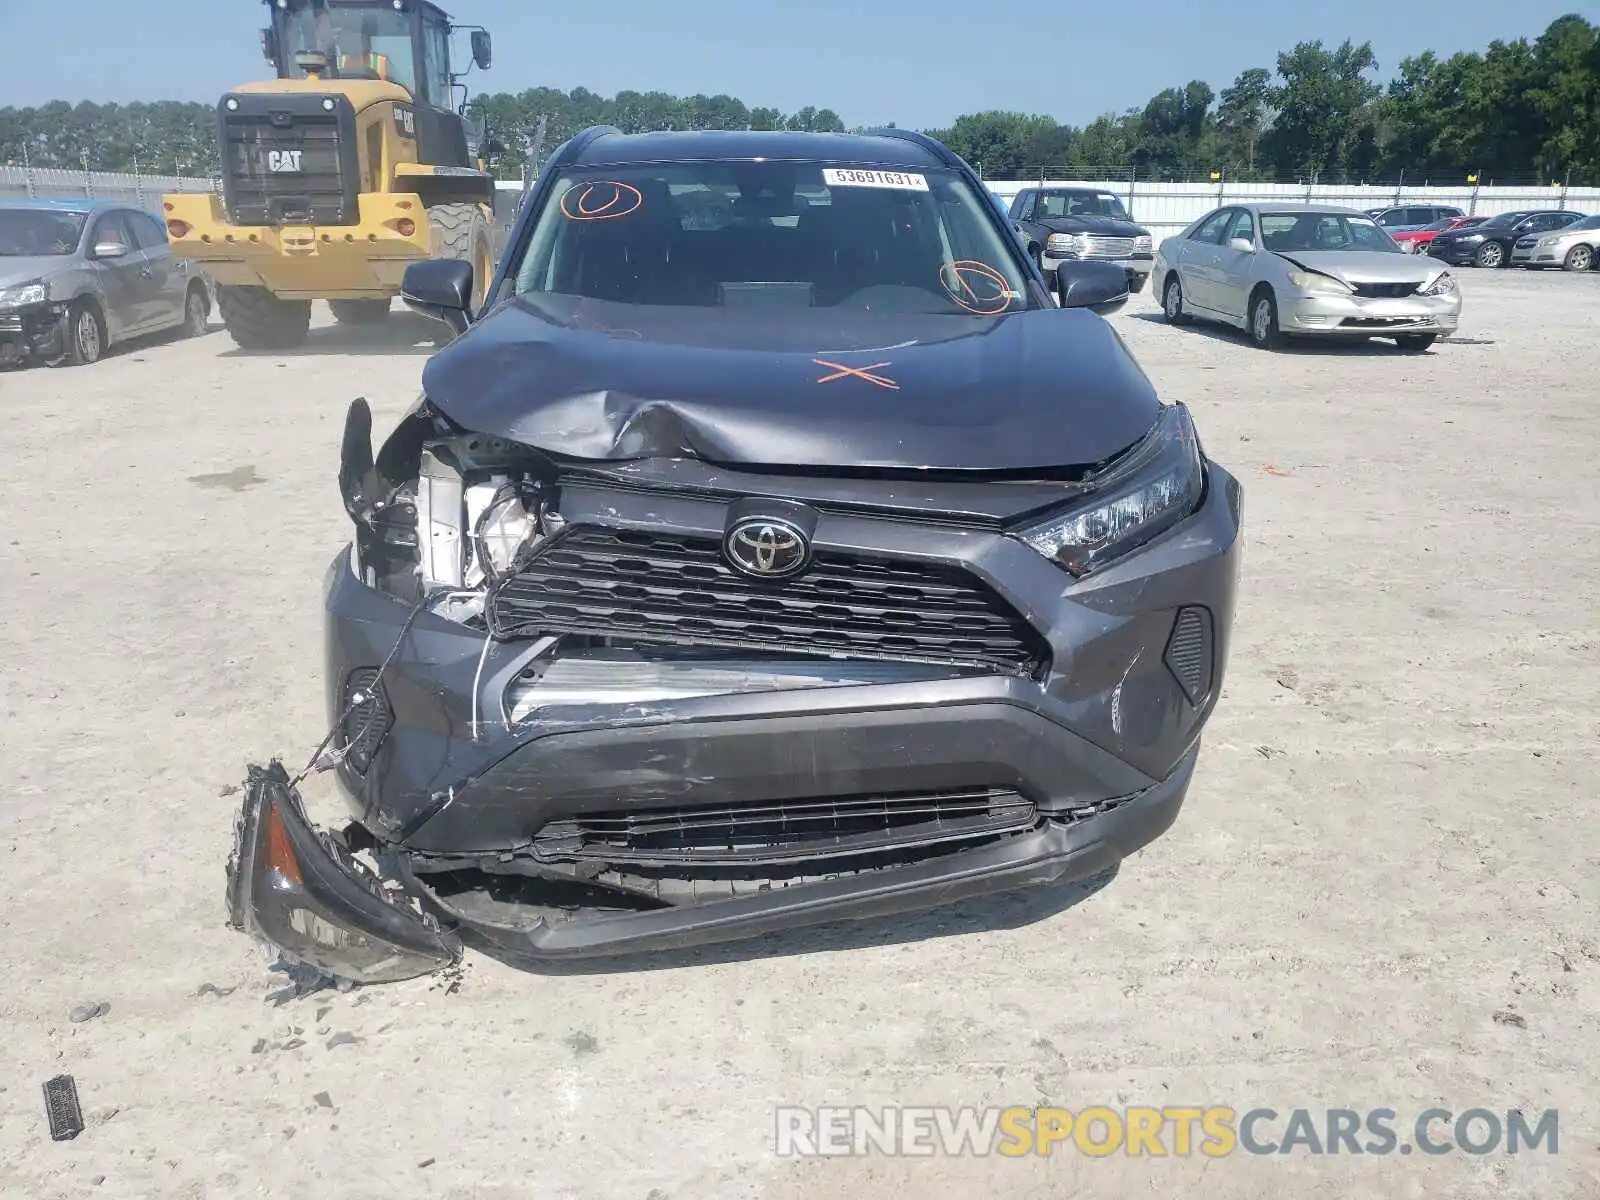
{"x": 798, "y": 834}
{"x": 1189, "y": 653}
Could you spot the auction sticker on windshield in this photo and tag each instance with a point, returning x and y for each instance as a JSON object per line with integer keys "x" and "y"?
{"x": 837, "y": 177}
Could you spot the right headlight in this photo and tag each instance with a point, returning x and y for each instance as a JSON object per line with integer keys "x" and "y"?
{"x": 1311, "y": 281}
{"x": 1157, "y": 484}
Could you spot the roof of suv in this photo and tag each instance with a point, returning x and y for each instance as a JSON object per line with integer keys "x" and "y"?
{"x": 875, "y": 150}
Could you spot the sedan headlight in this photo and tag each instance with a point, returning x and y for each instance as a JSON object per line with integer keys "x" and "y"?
{"x": 1156, "y": 485}
{"x": 1324, "y": 285}
{"x": 1067, "y": 243}
{"x": 1547, "y": 241}
{"x": 1445, "y": 285}
{"x": 22, "y": 294}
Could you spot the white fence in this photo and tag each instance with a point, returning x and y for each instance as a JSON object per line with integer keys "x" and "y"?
{"x": 140, "y": 191}
{"x": 1166, "y": 208}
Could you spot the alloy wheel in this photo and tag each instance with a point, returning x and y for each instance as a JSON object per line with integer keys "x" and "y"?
{"x": 87, "y": 333}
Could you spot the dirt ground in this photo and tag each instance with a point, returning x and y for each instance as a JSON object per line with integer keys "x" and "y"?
{"x": 1383, "y": 891}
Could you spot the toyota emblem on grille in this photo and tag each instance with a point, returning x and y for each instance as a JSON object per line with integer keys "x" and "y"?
{"x": 766, "y": 548}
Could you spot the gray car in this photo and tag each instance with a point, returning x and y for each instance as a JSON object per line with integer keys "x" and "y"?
{"x": 76, "y": 277}
{"x": 1575, "y": 248}
{"x": 1284, "y": 269}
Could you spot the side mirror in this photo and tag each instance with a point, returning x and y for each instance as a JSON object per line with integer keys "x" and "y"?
{"x": 110, "y": 250}
{"x": 1243, "y": 245}
{"x": 482, "y": 48}
{"x": 269, "y": 45}
{"x": 1093, "y": 285}
{"x": 440, "y": 288}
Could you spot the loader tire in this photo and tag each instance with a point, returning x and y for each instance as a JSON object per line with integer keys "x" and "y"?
{"x": 461, "y": 231}
{"x": 258, "y": 320}
{"x": 360, "y": 312}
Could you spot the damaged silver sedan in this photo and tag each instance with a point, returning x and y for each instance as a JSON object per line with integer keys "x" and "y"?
{"x": 771, "y": 550}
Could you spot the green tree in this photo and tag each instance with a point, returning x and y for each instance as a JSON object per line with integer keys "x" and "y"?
{"x": 1243, "y": 113}
{"x": 1324, "y": 107}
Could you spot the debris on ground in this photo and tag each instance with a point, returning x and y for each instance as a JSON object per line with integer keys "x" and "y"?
{"x": 211, "y": 989}
{"x": 323, "y": 1100}
{"x": 61, "y": 1106}
{"x": 1516, "y": 1020}
{"x": 88, "y": 1011}
{"x": 342, "y": 1039}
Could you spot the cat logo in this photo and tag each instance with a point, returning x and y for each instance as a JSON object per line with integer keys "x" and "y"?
{"x": 284, "y": 161}
{"x": 405, "y": 120}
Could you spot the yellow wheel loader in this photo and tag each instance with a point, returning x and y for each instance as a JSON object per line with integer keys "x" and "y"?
{"x": 351, "y": 164}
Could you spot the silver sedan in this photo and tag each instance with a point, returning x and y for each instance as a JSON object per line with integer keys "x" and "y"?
{"x": 1575, "y": 247}
{"x": 1277, "y": 270}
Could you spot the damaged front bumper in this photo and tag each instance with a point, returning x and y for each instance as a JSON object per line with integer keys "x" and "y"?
{"x": 305, "y": 895}
{"x": 34, "y": 331}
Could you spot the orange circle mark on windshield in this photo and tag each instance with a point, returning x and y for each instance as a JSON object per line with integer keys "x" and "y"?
{"x": 976, "y": 287}
{"x": 602, "y": 200}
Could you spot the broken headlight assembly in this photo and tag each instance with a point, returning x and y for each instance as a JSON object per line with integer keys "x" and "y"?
{"x": 22, "y": 295}
{"x": 1150, "y": 489}
{"x": 443, "y": 512}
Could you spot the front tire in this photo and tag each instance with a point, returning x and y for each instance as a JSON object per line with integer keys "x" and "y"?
{"x": 1264, "y": 332}
{"x": 258, "y": 320}
{"x": 196, "y": 312}
{"x": 1579, "y": 258}
{"x": 1172, "y": 301}
{"x": 1491, "y": 255}
{"x": 360, "y": 312}
{"x": 84, "y": 335}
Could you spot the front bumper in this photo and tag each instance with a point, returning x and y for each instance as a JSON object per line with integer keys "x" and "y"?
{"x": 366, "y": 260}
{"x": 1457, "y": 254}
{"x": 34, "y": 331}
{"x": 1138, "y": 267}
{"x": 1537, "y": 256}
{"x": 1357, "y": 316}
{"x": 478, "y": 779}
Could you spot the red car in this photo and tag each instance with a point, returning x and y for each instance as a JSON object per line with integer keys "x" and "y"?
{"x": 1415, "y": 241}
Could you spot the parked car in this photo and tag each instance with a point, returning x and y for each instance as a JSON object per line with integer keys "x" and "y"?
{"x": 1404, "y": 217}
{"x": 1070, "y": 224}
{"x": 1489, "y": 244}
{"x": 1276, "y": 270}
{"x": 1415, "y": 241}
{"x": 1575, "y": 247}
{"x": 807, "y": 567}
{"x": 77, "y": 277}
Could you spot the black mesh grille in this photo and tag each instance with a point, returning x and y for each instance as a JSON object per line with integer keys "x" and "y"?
{"x": 1392, "y": 291}
{"x": 647, "y": 587}
{"x": 367, "y": 722}
{"x": 283, "y": 166}
{"x": 1189, "y": 656}
{"x": 787, "y": 833}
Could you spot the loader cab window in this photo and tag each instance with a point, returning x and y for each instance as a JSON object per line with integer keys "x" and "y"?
{"x": 436, "y": 62}
{"x": 361, "y": 42}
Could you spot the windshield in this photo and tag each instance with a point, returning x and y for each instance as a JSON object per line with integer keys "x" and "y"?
{"x": 26, "y": 233}
{"x": 361, "y": 42}
{"x": 1507, "y": 218}
{"x": 1079, "y": 204}
{"x": 1438, "y": 226}
{"x": 1586, "y": 223}
{"x": 773, "y": 234}
{"x": 1323, "y": 231}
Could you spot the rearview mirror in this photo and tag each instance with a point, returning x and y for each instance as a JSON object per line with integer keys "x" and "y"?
{"x": 440, "y": 288}
{"x": 111, "y": 250}
{"x": 1093, "y": 285}
{"x": 1243, "y": 245}
{"x": 269, "y": 45}
{"x": 482, "y": 48}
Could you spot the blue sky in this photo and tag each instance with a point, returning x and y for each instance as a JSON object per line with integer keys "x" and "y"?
{"x": 914, "y": 62}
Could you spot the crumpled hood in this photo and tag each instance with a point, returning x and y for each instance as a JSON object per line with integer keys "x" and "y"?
{"x": 14, "y": 271}
{"x": 1367, "y": 266}
{"x": 595, "y": 380}
{"x": 1099, "y": 226}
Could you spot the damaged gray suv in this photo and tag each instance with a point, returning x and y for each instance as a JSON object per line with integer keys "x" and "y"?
{"x": 771, "y": 549}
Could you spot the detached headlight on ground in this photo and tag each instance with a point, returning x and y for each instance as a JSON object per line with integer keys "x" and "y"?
{"x": 1445, "y": 285}
{"x": 1158, "y": 484}
{"x": 22, "y": 294}
{"x": 1326, "y": 285}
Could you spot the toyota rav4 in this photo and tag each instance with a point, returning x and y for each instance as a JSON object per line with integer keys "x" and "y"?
{"x": 771, "y": 548}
